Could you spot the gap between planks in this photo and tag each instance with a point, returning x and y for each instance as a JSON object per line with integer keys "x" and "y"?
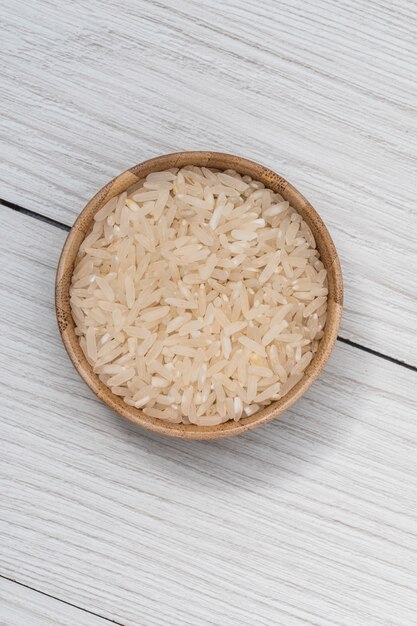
{"x": 62, "y": 226}
{"x": 49, "y": 595}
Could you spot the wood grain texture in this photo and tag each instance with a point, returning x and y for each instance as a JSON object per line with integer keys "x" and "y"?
{"x": 20, "y": 606}
{"x": 309, "y": 520}
{"x": 322, "y": 92}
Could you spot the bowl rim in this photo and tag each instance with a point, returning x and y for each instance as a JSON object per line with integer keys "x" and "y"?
{"x": 222, "y": 161}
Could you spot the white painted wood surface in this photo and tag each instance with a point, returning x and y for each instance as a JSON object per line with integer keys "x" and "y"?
{"x": 323, "y": 92}
{"x": 20, "y": 606}
{"x": 310, "y": 520}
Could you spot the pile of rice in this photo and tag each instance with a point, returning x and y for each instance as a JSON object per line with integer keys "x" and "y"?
{"x": 199, "y": 296}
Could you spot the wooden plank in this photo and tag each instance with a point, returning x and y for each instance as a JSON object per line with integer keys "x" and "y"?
{"x": 310, "y": 520}
{"x": 323, "y": 93}
{"x": 21, "y": 606}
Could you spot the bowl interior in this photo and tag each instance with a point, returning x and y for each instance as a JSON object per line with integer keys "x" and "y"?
{"x": 220, "y": 161}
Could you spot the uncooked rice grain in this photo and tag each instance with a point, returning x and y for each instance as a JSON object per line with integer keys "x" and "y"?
{"x": 199, "y": 296}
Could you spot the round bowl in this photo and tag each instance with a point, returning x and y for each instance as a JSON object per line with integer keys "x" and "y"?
{"x": 220, "y": 161}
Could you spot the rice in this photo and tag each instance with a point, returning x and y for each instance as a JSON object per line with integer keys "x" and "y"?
{"x": 199, "y": 296}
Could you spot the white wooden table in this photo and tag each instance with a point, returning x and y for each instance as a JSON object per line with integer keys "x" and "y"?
{"x": 312, "y": 519}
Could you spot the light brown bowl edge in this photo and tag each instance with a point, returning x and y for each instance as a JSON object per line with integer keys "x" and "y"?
{"x": 220, "y": 161}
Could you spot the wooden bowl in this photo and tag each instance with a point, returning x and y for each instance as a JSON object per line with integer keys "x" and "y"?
{"x": 219, "y": 161}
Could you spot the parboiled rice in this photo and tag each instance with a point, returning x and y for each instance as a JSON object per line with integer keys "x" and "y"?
{"x": 199, "y": 296}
